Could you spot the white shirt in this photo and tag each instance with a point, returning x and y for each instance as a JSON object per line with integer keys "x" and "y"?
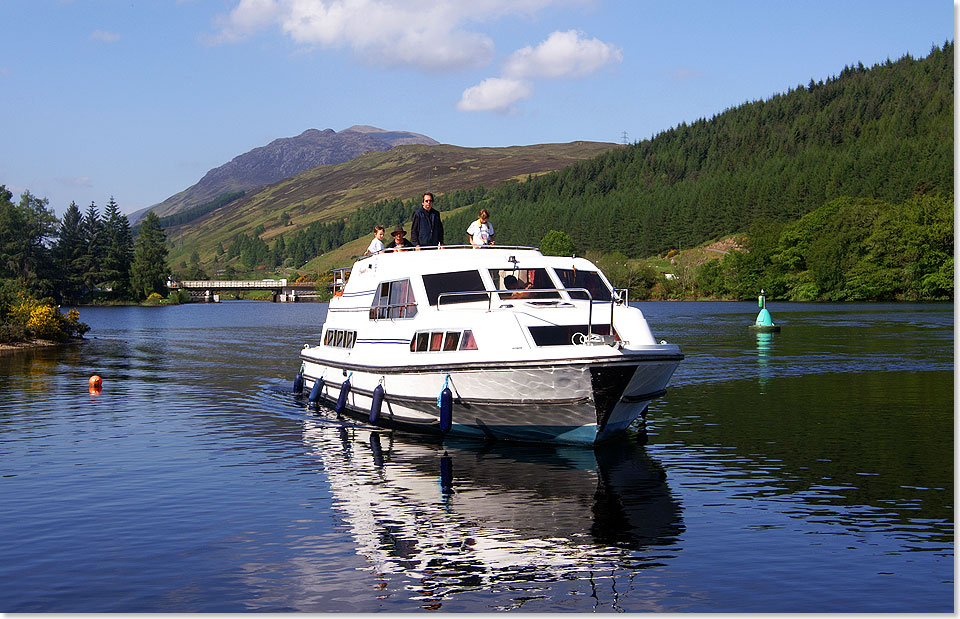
{"x": 480, "y": 232}
{"x": 375, "y": 246}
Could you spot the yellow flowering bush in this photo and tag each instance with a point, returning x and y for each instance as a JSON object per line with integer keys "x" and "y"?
{"x": 21, "y": 311}
{"x": 23, "y": 317}
{"x": 44, "y": 323}
{"x": 72, "y": 325}
{"x": 154, "y": 298}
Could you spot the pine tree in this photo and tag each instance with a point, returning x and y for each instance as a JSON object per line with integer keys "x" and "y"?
{"x": 24, "y": 229}
{"x": 149, "y": 269}
{"x": 68, "y": 253}
{"x": 92, "y": 231}
{"x": 118, "y": 251}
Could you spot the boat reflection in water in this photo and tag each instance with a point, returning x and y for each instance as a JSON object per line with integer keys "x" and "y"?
{"x": 463, "y": 516}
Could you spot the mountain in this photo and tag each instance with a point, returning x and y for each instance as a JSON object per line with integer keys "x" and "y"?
{"x": 330, "y": 193}
{"x": 283, "y": 158}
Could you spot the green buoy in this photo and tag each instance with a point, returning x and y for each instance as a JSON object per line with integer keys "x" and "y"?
{"x": 764, "y": 320}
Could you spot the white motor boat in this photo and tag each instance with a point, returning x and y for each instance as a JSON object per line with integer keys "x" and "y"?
{"x": 497, "y": 342}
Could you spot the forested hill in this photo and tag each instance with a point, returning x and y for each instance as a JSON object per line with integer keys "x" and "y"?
{"x": 885, "y": 132}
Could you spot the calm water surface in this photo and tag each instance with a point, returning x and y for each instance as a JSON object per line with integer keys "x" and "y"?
{"x": 804, "y": 471}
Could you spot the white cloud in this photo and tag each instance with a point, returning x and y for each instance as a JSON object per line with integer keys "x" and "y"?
{"x": 563, "y": 54}
{"x": 425, "y": 34}
{"x": 248, "y": 17}
{"x": 390, "y": 34}
{"x": 494, "y": 94}
{"x": 105, "y": 36}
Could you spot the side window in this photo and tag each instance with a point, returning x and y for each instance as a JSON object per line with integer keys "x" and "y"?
{"x": 456, "y": 282}
{"x": 433, "y": 341}
{"x": 573, "y": 278}
{"x": 340, "y": 338}
{"x": 394, "y": 300}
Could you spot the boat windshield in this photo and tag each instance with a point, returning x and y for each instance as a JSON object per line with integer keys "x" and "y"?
{"x": 522, "y": 281}
{"x": 456, "y": 282}
{"x": 575, "y": 278}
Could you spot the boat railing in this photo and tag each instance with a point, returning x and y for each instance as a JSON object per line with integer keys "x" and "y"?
{"x": 340, "y": 277}
{"x": 380, "y": 312}
{"x": 619, "y": 297}
{"x": 397, "y": 250}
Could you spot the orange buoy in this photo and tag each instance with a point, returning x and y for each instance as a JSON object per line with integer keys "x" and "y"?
{"x": 95, "y": 382}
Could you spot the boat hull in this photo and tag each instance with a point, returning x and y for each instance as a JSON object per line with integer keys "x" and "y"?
{"x": 586, "y": 401}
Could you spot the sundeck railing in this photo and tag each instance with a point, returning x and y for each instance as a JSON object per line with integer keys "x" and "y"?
{"x": 397, "y": 250}
{"x": 619, "y": 297}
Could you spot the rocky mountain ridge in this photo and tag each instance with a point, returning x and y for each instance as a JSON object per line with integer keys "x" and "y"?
{"x": 283, "y": 158}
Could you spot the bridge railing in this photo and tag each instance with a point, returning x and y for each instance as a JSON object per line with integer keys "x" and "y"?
{"x": 259, "y": 284}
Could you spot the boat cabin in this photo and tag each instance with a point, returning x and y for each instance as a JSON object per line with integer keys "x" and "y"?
{"x": 425, "y": 286}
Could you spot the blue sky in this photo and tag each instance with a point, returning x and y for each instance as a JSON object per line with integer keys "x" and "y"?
{"x": 138, "y": 99}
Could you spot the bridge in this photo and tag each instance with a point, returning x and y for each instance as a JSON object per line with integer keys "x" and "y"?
{"x": 283, "y": 291}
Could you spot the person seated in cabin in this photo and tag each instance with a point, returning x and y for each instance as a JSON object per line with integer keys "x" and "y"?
{"x": 512, "y": 283}
{"x": 481, "y": 232}
{"x": 376, "y": 245}
{"x": 399, "y": 242}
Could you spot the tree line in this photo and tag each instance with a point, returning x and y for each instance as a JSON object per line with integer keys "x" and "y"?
{"x": 80, "y": 258}
{"x": 884, "y": 133}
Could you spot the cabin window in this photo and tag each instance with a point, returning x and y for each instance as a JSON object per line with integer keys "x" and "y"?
{"x": 521, "y": 280}
{"x": 419, "y": 342}
{"x": 456, "y": 283}
{"x": 468, "y": 343}
{"x": 394, "y": 300}
{"x": 563, "y": 335}
{"x": 340, "y": 338}
{"x": 575, "y": 278}
{"x": 443, "y": 340}
{"x": 450, "y": 340}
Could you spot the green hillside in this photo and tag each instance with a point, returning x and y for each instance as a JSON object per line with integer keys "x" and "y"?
{"x": 883, "y": 133}
{"x": 332, "y": 192}
{"x": 863, "y": 159}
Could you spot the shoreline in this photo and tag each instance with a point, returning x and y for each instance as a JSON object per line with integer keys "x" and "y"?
{"x": 12, "y": 347}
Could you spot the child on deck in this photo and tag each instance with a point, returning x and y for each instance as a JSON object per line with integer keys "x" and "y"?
{"x": 376, "y": 245}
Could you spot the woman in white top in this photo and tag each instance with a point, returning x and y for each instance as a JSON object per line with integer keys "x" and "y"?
{"x": 481, "y": 231}
{"x": 376, "y": 245}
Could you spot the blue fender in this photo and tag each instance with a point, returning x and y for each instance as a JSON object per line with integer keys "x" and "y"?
{"x": 376, "y": 404}
{"x": 298, "y": 384}
{"x": 315, "y": 392}
{"x": 342, "y": 400}
{"x": 446, "y": 410}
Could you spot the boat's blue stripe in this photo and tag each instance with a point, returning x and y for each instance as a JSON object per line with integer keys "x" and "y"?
{"x": 360, "y": 293}
{"x": 381, "y": 341}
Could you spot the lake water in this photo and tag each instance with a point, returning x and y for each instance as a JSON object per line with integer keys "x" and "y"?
{"x": 809, "y": 470}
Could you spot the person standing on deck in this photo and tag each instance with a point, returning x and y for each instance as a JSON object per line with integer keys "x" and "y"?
{"x": 426, "y": 228}
{"x": 480, "y": 232}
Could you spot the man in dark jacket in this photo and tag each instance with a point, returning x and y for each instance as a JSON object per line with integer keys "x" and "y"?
{"x": 426, "y": 229}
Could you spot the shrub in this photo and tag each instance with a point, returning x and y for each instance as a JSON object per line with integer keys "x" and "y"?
{"x": 556, "y": 243}
{"x": 44, "y": 323}
{"x": 23, "y": 317}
